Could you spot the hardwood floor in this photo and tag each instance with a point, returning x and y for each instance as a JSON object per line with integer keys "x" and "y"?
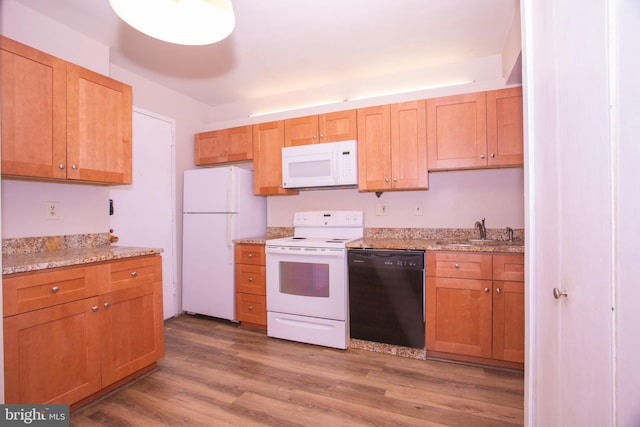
{"x": 217, "y": 374}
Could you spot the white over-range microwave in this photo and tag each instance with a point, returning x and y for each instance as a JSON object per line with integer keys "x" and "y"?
{"x": 329, "y": 164}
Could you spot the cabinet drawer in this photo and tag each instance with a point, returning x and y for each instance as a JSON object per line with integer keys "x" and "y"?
{"x": 508, "y": 267}
{"x": 251, "y": 308}
{"x": 135, "y": 271}
{"x": 458, "y": 265}
{"x": 31, "y": 291}
{"x": 250, "y": 279}
{"x": 250, "y": 254}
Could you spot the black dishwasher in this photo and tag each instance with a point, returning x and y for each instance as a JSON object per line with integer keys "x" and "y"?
{"x": 386, "y": 296}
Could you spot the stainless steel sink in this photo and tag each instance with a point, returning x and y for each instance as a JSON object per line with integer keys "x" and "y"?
{"x": 478, "y": 242}
{"x": 453, "y": 243}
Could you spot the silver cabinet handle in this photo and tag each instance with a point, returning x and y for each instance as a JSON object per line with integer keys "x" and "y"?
{"x": 493, "y": 155}
{"x": 55, "y": 289}
{"x": 95, "y": 308}
{"x": 321, "y": 135}
{"x": 134, "y": 273}
{"x": 249, "y": 255}
{"x": 61, "y": 166}
{"x": 74, "y": 167}
{"x": 250, "y": 307}
{"x": 250, "y": 279}
{"x": 386, "y": 180}
{"x": 498, "y": 290}
{"x": 457, "y": 265}
{"x": 557, "y": 293}
{"x": 486, "y": 289}
{"x": 106, "y": 305}
{"x": 482, "y": 156}
{"x": 395, "y": 179}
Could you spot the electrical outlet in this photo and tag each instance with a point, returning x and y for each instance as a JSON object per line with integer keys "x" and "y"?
{"x": 417, "y": 209}
{"x": 381, "y": 209}
{"x": 51, "y": 210}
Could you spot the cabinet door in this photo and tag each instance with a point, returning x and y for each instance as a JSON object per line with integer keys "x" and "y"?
{"x": 99, "y": 127}
{"x": 131, "y": 316}
{"x": 225, "y": 145}
{"x": 33, "y": 96}
{"x": 52, "y": 355}
{"x": 459, "y": 316}
{"x": 131, "y": 330}
{"x": 508, "y": 321}
{"x": 338, "y": 126}
{"x": 239, "y": 142}
{"x": 457, "y": 131}
{"x": 505, "y": 142}
{"x": 409, "y": 146}
{"x": 301, "y": 131}
{"x": 374, "y": 148}
{"x": 210, "y": 148}
{"x": 268, "y": 140}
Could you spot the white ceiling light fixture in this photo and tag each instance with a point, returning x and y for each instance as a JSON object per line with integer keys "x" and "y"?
{"x": 186, "y": 22}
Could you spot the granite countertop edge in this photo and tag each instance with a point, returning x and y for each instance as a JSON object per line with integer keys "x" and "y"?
{"x": 409, "y": 244}
{"x": 20, "y": 263}
{"x": 430, "y": 245}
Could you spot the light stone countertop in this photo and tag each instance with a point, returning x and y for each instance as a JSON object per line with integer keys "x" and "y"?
{"x": 34, "y": 261}
{"x": 433, "y": 245}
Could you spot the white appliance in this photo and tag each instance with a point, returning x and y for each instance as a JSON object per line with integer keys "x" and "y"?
{"x": 219, "y": 206}
{"x": 327, "y": 164}
{"x": 307, "y": 292}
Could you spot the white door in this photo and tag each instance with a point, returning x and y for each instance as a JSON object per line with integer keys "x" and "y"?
{"x": 569, "y": 214}
{"x": 144, "y": 212}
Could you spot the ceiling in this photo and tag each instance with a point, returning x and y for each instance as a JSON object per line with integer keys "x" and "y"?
{"x": 312, "y": 47}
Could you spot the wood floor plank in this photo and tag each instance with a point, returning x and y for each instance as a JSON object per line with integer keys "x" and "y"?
{"x": 218, "y": 374}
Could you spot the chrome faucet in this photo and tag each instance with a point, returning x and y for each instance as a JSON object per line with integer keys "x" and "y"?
{"x": 481, "y": 228}
{"x": 510, "y": 234}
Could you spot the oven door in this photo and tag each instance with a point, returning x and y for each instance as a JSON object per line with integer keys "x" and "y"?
{"x": 307, "y": 282}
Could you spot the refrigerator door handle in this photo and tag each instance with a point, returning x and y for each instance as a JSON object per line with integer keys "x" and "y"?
{"x": 229, "y": 230}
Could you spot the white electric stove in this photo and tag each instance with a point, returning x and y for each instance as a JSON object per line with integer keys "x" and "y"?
{"x": 307, "y": 293}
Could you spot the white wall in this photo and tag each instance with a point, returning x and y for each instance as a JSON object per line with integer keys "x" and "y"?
{"x": 454, "y": 200}
{"x": 81, "y": 209}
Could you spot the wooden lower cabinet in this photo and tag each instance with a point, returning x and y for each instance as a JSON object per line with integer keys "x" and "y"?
{"x": 250, "y": 278}
{"x": 64, "y": 352}
{"x": 508, "y": 308}
{"x": 473, "y": 313}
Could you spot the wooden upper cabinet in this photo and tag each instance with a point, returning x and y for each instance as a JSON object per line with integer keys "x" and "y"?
{"x": 392, "y": 149}
{"x": 457, "y": 131}
{"x": 475, "y": 130}
{"x": 225, "y": 145}
{"x": 268, "y": 140}
{"x": 99, "y": 127}
{"x": 374, "y": 148}
{"x": 505, "y": 135}
{"x": 33, "y": 94}
{"x": 409, "y": 146}
{"x": 61, "y": 121}
{"x": 330, "y": 127}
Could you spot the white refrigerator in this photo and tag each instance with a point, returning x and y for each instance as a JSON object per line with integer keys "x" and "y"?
{"x": 218, "y": 206}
